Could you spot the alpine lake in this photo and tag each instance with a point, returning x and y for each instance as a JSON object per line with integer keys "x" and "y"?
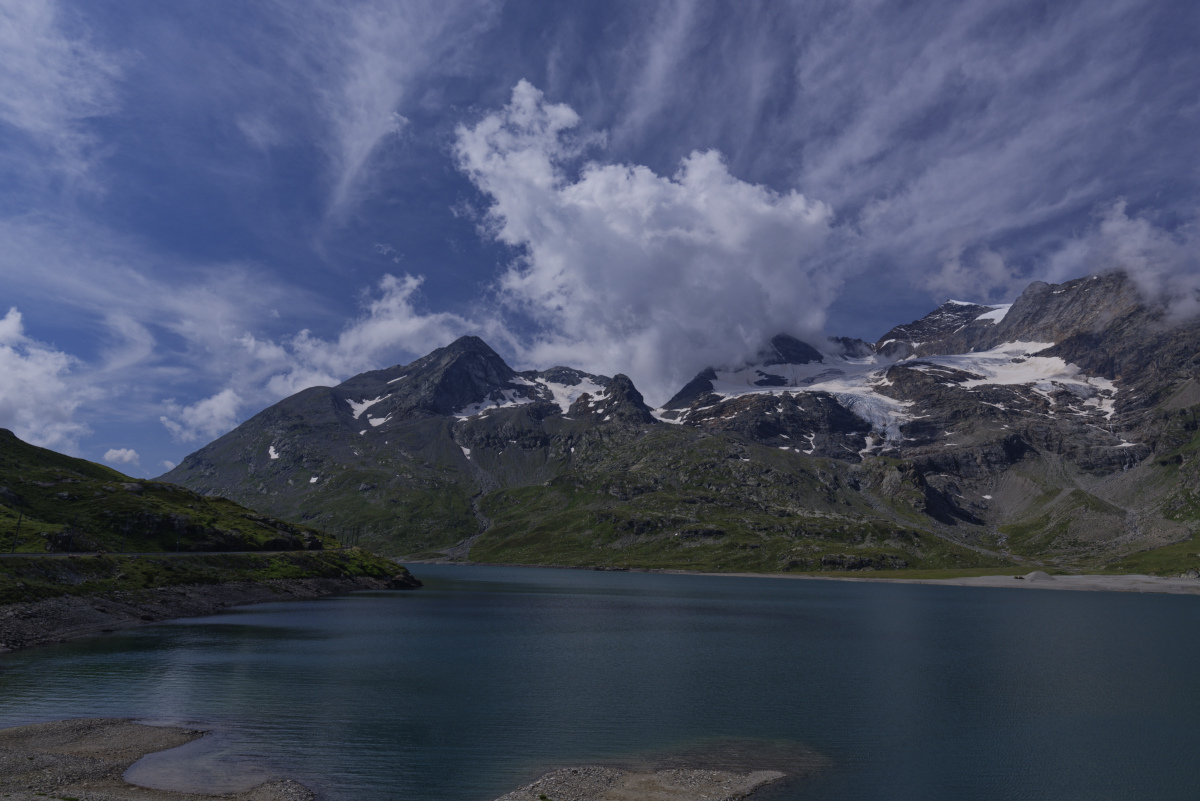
{"x": 489, "y": 676}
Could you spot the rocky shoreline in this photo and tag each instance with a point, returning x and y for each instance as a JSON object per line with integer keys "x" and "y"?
{"x": 27, "y": 624}
{"x": 87, "y": 759}
{"x": 600, "y": 783}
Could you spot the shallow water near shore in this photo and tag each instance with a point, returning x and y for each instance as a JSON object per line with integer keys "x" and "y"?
{"x": 476, "y": 684}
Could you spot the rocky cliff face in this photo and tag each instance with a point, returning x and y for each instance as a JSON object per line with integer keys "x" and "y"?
{"x": 1060, "y": 427}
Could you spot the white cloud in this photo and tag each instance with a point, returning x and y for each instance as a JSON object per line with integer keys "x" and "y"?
{"x": 208, "y": 418}
{"x": 39, "y": 395}
{"x": 1164, "y": 264}
{"x": 390, "y": 327}
{"x": 627, "y": 270}
{"x": 122, "y": 456}
{"x": 262, "y": 371}
{"x": 168, "y": 465}
{"x": 364, "y": 59}
{"x": 981, "y": 275}
{"x": 52, "y": 82}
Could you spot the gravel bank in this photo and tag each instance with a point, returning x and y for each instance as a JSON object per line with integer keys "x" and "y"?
{"x": 598, "y": 783}
{"x": 83, "y": 760}
{"x": 59, "y": 619}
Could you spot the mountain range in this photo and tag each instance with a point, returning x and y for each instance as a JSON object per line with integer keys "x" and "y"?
{"x": 1058, "y": 430}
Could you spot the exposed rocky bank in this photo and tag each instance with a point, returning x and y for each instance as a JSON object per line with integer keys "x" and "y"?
{"x": 86, "y": 760}
{"x": 599, "y": 783}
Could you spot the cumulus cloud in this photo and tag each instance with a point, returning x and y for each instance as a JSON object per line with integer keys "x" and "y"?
{"x": 1165, "y": 264}
{"x": 207, "y": 418}
{"x": 623, "y": 269}
{"x": 168, "y": 465}
{"x": 38, "y": 396}
{"x": 122, "y": 456}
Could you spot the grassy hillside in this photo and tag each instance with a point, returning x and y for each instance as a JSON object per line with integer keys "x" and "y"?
{"x": 678, "y": 499}
{"x": 66, "y": 504}
{"x": 25, "y": 579}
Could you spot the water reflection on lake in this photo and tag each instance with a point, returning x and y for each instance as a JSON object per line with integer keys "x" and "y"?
{"x": 475, "y": 684}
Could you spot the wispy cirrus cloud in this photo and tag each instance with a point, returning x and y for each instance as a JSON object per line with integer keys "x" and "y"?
{"x": 390, "y": 328}
{"x": 973, "y": 128}
{"x": 53, "y": 81}
{"x": 361, "y": 63}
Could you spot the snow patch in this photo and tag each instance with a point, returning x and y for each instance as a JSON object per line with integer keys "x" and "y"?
{"x": 1011, "y": 364}
{"x": 996, "y": 314}
{"x": 507, "y": 398}
{"x": 401, "y": 378}
{"x": 272, "y": 452}
{"x": 378, "y": 421}
{"x": 314, "y": 479}
{"x": 361, "y": 406}
{"x": 564, "y": 394}
{"x": 466, "y": 451}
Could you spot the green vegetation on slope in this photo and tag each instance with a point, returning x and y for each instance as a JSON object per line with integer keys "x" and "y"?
{"x": 33, "y": 578}
{"x": 675, "y": 499}
{"x": 61, "y": 503}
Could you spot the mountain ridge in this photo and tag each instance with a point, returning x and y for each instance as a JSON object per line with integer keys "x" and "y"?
{"x": 950, "y": 428}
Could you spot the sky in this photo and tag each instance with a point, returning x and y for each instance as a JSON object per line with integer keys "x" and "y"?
{"x": 208, "y": 205}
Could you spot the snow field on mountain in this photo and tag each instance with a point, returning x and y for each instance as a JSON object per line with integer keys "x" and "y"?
{"x": 506, "y": 399}
{"x": 562, "y": 394}
{"x": 1011, "y": 364}
{"x": 853, "y": 381}
{"x": 565, "y": 394}
{"x": 996, "y": 314}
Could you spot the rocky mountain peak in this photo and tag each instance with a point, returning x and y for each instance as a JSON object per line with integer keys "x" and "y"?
{"x": 786, "y": 349}
{"x": 465, "y": 372}
{"x": 697, "y": 388}
{"x": 783, "y": 349}
{"x": 620, "y": 400}
{"x": 905, "y": 340}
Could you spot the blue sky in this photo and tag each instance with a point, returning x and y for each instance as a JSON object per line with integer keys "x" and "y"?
{"x": 206, "y": 206}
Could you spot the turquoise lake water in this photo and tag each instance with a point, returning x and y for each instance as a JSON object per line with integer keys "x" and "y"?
{"x": 475, "y": 684}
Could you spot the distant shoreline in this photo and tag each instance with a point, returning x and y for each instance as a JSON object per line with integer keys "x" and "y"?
{"x": 1082, "y": 582}
{"x": 1090, "y": 582}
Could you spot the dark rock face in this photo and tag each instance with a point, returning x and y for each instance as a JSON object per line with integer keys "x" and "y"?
{"x": 698, "y": 387}
{"x": 852, "y": 348}
{"x": 815, "y": 424}
{"x": 620, "y": 402}
{"x": 905, "y": 340}
{"x": 786, "y": 349}
{"x": 463, "y": 373}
